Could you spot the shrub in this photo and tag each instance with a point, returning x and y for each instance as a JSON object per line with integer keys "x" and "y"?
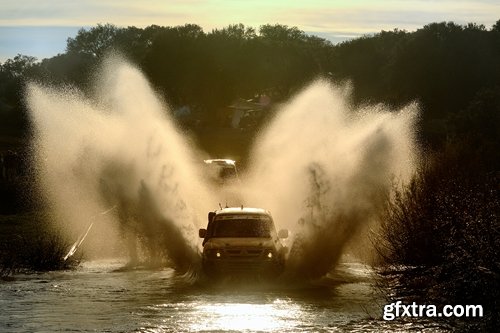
{"x": 443, "y": 228}
{"x": 28, "y": 243}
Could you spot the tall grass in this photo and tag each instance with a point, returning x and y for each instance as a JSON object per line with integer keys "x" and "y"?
{"x": 29, "y": 244}
{"x": 440, "y": 236}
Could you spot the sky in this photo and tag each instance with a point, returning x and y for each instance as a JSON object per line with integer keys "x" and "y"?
{"x": 40, "y": 28}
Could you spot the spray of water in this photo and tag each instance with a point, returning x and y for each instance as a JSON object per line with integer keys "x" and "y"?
{"x": 321, "y": 167}
{"x": 118, "y": 148}
{"x": 325, "y": 169}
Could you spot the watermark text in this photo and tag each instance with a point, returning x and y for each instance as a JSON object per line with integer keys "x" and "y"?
{"x": 398, "y": 309}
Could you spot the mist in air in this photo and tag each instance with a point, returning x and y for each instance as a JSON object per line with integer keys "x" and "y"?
{"x": 323, "y": 168}
{"x": 118, "y": 148}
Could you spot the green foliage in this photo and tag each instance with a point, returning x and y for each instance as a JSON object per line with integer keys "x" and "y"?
{"x": 95, "y": 41}
{"x": 281, "y": 33}
{"x": 13, "y": 119}
{"x": 496, "y": 27}
{"x": 444, "y": 66}
{"x": 12, "y": 73}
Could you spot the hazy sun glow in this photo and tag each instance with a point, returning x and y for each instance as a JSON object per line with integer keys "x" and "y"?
{"x": 359, "y": 16}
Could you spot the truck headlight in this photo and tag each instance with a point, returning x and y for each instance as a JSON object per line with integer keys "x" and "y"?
{"x": 270, "y": 255}
{"x": 213, "y": 253}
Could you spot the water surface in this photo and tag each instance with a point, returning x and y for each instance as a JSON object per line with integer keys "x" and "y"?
{"x": 98, "y": 297}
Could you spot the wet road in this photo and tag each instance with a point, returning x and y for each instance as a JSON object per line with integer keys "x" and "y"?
{"x": 97, "y": 298}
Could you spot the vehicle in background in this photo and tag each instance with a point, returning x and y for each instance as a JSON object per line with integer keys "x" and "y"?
{"x": 222, "y": 171}
{"x": 226, "y": 184}
{"x": 243, "y": 242}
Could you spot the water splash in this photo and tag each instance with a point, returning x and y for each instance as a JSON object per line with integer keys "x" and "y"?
{"x": 325, "y": 169}
{"x": 118, "y": 147}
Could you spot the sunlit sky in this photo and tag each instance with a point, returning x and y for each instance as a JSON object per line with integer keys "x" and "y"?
{"x": 40, "y": 27}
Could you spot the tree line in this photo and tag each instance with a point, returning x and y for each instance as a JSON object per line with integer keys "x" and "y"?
{"x": 452, "y": 70}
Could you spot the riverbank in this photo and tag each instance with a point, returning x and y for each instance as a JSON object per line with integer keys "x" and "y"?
{"x": 440, "y": 238}
{"x": 28, "y": 243}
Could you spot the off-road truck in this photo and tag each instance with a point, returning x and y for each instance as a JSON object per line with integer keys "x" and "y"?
{"x": 242, "y": 241}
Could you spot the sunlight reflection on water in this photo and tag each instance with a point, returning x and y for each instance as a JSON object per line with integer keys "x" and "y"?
{"x": 280, "y": 314}
{"x": 98, "y": 298}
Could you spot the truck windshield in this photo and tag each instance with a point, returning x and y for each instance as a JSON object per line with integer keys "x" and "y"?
{"x": 242, "y": 228}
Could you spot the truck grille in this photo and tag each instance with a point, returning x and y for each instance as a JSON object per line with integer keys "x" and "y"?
{"x": 244, "y": 252}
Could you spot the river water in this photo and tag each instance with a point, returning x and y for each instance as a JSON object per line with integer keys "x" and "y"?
{"x": 99, "y": 297}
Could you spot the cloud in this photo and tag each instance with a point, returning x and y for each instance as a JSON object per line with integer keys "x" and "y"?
{"x": 123, "y": 13}
{"x": 370, "y": 17}
{"x": 359, "y": 16}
